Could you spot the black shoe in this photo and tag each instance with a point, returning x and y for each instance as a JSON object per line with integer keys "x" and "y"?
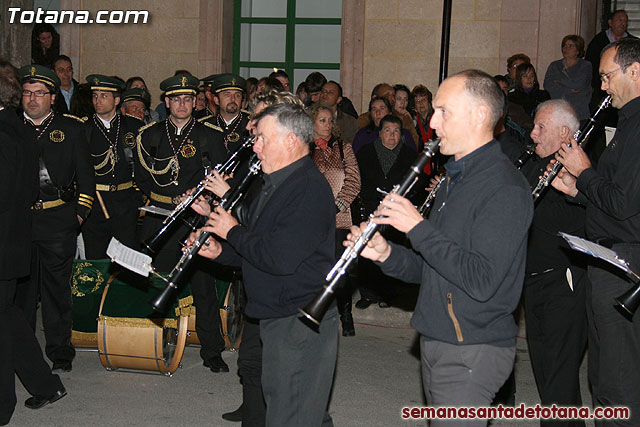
{"x": 363, "y": 303}
{"x": 234, "y": 416}
{"x": 348, "y": 330}
{"x": 61, "y": 366}
{"x": 216, "y": 364}
{"x": 37, "y": 402}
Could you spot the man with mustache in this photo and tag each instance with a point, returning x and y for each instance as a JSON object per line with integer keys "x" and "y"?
{"x": 64, "y": 165}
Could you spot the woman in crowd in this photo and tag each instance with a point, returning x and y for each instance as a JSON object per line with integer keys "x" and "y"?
{"x": 382, "y": 164}
{"x": 403, "y": 100}
{"x": 569, "y": 78}
{"x": 527, "y": 92}
{"x": 422, "y": 98}
{"x": 336, "y": 161}
{"x": 378, "y": 108}
{"x": 45, "y": 45}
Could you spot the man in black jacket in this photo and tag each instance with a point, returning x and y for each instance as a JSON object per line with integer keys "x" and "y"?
{"x": 20, "y": 353}
{"x": 556, "y": 277}
{"x": 170, "y": 159}
{"x": 64, "y": 202}
{"x": 286, "y": 248}
{"x": 469, "y": 256}
{"x": 611, "y": 193}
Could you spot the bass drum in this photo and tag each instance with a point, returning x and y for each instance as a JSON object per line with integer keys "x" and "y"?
{"x": 231, "y": 317}
{"x": 132, "y": 336}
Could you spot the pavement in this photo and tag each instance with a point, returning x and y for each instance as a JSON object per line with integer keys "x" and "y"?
{"x": 378, "y": 373}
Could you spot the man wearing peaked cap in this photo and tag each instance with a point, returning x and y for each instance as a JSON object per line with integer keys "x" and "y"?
{"x": 111, "y": 138}
{"x": 171, "y": 157}
{"x": 135, "y": 103}
{"x": 211, "y": 110}
{"x": 65, "y": 198}
{"x": 228, "y": 93}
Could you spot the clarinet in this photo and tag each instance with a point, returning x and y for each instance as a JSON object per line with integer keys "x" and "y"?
{"x": 161, "y": 301}
{"x": 524, "y": 158}
{"x": 153, "y": 243}
{"x": 314, "y": 311}
{"x": 426, "y": 206}
{"x": 581, "y": 136}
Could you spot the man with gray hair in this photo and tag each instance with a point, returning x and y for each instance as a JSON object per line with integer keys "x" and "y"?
{"x": 556, "y": 277}
{"x": 468, "y": 256}
{"x": 286, "y": 247}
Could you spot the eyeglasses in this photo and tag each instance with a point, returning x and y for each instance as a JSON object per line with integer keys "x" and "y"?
{"x": 605, "y": 76}
{"x": 37, "y": 93}
{"x": 179, "y": 100}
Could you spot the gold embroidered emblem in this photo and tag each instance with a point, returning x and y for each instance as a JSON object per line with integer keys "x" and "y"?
{"x": 233, "y": 81}
{"x": 188, "y": 150}
{"x": 129, "y": 139}
{"x": 33, "y": 71}
{"x": 84, "y": 274}
{"x": 56, "y": 136}
{"x": 183, "y": 81}
{"x": 96, "y": 80}
{"x": 233, "y": 137}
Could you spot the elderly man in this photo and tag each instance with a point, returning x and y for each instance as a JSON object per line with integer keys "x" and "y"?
{"x": 135, "y": 103}
{"x": 556, "y": 277}
{"x": 612, "y": 194}
{"x": 469, "y": 256}
{"x": 64, "y": 202}
{"x": 285, "y": 249}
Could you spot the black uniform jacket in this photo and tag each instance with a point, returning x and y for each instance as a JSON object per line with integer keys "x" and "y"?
{"x": 63, "y": 148}
{"x": 154, "y": 152}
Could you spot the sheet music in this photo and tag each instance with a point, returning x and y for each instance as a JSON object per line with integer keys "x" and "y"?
{"x": 156, "y": 210}
{"x": 596, "y": 251}
{"x": 128, "y": 258}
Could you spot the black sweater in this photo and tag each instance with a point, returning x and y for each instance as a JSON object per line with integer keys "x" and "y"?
{"x": 469, "y": 256}
{"x": 288, "y": 250}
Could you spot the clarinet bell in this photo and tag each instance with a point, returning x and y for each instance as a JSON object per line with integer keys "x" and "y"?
{"x": 629, "y": 301}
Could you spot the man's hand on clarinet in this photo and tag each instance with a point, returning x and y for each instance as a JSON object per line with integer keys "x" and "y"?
{"x": 377, "y": 248}
{"x": 220, "y": 222}
{"x": 211, "y": 248}
{"x": 398, "y": 212}
{"x": 564, "y": 181}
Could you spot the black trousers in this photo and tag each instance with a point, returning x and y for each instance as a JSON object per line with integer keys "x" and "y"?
{"x": 250, "y": 371}
{"x": 557, "y": 336}
{"x": 97, "y": 231}
{"x": 202, "y": 278}
{"x": 614, "y": 340}
{"x": 20, "y": 354}
{"x": 52, "y": 251}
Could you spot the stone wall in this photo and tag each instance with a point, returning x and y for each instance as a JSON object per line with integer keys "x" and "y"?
{"x": 402, "y": 37}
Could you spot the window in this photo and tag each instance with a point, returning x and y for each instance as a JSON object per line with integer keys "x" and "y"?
{"x": 299, "y": 36}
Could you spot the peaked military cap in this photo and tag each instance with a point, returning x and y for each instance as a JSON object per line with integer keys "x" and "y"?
{"x": 209, "y": 81}
{"x": 228, "y": 81}
{"x": 106, "y": 83}
{"x": 136, "y": 94}
{"x": 40, "y": 74}
{"x": 182, "y": 84}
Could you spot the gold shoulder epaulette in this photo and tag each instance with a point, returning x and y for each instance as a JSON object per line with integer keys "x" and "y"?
{"x": 212, "y": 126}
{"x": 247, "y": 112}
{"x": 81, "y": 120}
{"x": 202, "y": 119}
{"x": 134, "y": 117}
{"x": 145, "y": 127}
